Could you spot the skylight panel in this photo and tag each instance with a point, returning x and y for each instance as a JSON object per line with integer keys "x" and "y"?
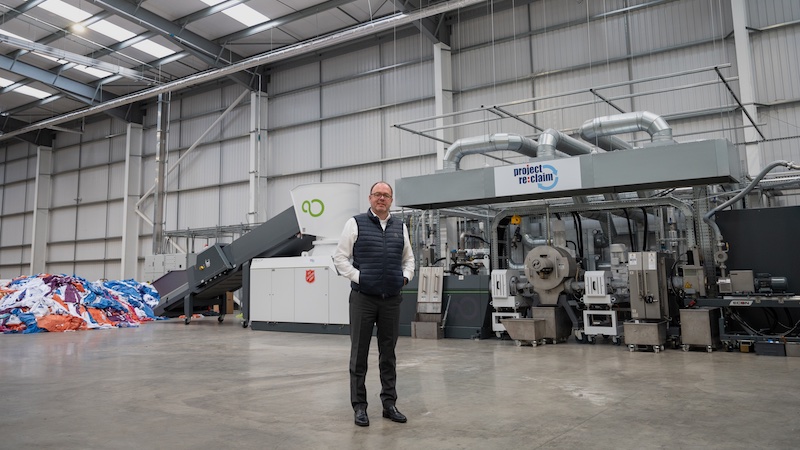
{"x": 241, "y": 13}
{"x": 93, "y": 71}
{"x": 33, "y": 92}
{"x": 4, "y": 82}
{"x": 157, "y": 50}
{"x": 113, "y": 31}
{"x": 65, "y": 10}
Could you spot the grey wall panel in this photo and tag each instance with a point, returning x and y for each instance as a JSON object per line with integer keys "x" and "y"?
{"x": 170, "y": 215}
{"x": 95, "y": 152}
{"x": 412, "y": 82}
{"x": 93, "y": 184}
{"x": 680, "y": 100}
{"x": 404, "y": 50}
{"x": 92, "y": 221}
{"x": 294, "y": 78}
{"x": 62, "y": 224}
{"x": 341, "y": 136}
{"x": 9, "y": 259}
{"x": 112, "y": 270}
{"x": 90, "y": 250}
{"x": 776, "y": 63}
{"x": 67, "y": 268}
{"x": 113, "y": 248}
{"x": 193, "y": 128}
{"x": 500, "y": 24}
{"x": 65, "y": 189}
{"x": 396, "y": 142}
{"x": 13, "y": 229}
{"x": 235, "y": 163}
{"x": 201, "y": 167}
{"x": 763, "y": 13}
{"x": 351, "y": 96}
{"x": 114, "y": 219}
{"x": 33, "y": 162}
{"x": 549, "y": 12}
{"x": 233, "y": 210}
{"x": 66, "y": 159}
{"x": 116, "y": 180}
{"x": 20, "y": 151}
{"x": 17, "y": 170}
{"x": 27, "y": 231}
{"x": 485, "y": 66}
{"x": 64, "y": 140}
{"x": 237, "y": 122}
{"x": 14, "y": 198}
{"x": 92, "y": 271}
{"x": 780, "y": 121}
{"x": 572, "y": 46}
{"x": 197, "y": 104}
{"x": 62, "y": 251}
{"x": 351, "y": 64}
{"x": 97, "y": 130}
{"x": 392, "y": 171}
{"x": 198, "y": 209}
{"x": 278, "y": 191}
{"x": 2, "y": 173}
{"x": 676, "y": 23}
{"x": 294, "y": 108}
{"x": 293, "y": 149}
{"x": 117, "y": 148}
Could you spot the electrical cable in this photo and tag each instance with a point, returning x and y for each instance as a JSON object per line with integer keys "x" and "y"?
{"x": 646, "y": 231}
{"x": 630, "y": 231}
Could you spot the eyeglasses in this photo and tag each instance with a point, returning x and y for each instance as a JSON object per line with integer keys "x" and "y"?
{"x": 382, "y": 195}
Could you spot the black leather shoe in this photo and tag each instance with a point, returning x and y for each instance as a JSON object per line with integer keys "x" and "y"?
{"x": 361, "y": 417}
{"x": 391, "y": 412}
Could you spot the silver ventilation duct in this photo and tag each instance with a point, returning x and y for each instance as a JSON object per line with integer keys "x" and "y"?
{"x": 610, "y": 143}
{"x": 551, "y": 140}
{"x": 488, "y": 143}
{"x": 658, "y": 128}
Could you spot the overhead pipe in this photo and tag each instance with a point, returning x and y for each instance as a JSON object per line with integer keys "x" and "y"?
{"x": 487, "y": 143}
{"x": 300, "y": 48}
{"x": 653, "y": 124}
{"x": 551, "y": 140}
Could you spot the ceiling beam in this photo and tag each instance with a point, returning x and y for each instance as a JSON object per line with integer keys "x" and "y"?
{"x": 428, "y": 26}
{"x": 280, "y": 21}
{"x": 210, "y": 52}
{"x": 44, "y": 138}
{"x": 20, "y": 10}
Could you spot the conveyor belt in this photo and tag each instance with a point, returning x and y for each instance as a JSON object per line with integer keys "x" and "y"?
{"x": 221, "y": 268}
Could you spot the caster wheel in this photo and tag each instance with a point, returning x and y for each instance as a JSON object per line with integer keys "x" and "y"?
{"x": 591, "y": 340}
{"x": 685, "y": 348}
{"x": 499, "y": 334}
{"x": 631, "y": 347}
{"x": 518, "y": 343}
{"x": 244, "y": 324}
{"x": 187, "y": 320}
{"x": 709, "y": 349}
{"x": 534, "y": 343}
{"x": 220, "y": 319}
{"x": 579, "y": 337}
{"x": 615, "y": 340}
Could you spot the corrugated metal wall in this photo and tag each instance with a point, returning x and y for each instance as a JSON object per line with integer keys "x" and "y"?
{"x": 332, "y": 120}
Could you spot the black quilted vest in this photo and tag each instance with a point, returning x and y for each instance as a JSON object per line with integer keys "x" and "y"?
{"x": 378, "y": 255}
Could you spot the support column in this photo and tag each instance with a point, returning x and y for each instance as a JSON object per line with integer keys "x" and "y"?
{"x": 132, "y": 186}
{"x": 443, "y": 92}
{"x": 744, "y": 60}
{"x": 161, "y": 166}
{"x": 41, "y": 209}
{"x": 257, "y": 211}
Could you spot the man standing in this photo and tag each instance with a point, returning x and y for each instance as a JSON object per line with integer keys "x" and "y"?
{"x": 375, "y": 254}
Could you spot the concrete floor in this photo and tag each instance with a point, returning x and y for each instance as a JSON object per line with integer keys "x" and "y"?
{"x": 206, "y": 385}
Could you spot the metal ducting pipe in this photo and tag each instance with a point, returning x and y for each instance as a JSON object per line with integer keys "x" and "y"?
{"x": 488, "y": 143}
{"x": 610, "y": 143}
{"x": 658, "y": 128}
{"x": 551, "y": 140}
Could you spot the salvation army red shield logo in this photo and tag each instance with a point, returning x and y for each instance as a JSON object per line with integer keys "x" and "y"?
{"x": 310, "y": 276}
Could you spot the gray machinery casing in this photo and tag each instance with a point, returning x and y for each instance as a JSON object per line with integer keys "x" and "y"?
{"x": 547, "y": 268}
{"x": 682, "y": 164}
{"x": 648, "y": 278}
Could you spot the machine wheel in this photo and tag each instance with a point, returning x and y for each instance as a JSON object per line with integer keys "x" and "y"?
{"x": 615, "y": 340}
{"x": 631, "y": 347}
{"x": 518, "y": 342}
{"x": 579, "y": 336}
{"x": 656, "y": 348}
{"x": 244, "y": 324}
{"x": 709, "y": 349}
{"x": 591, "y": 339}
{"x": 187, "y": 320}
{"x": 534, "y": 343}
{"x": 220, "y": 318}
{"x": 685, "y": 347}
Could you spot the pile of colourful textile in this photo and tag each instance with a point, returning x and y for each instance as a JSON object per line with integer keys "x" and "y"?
{"x": 62, "y": 303}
